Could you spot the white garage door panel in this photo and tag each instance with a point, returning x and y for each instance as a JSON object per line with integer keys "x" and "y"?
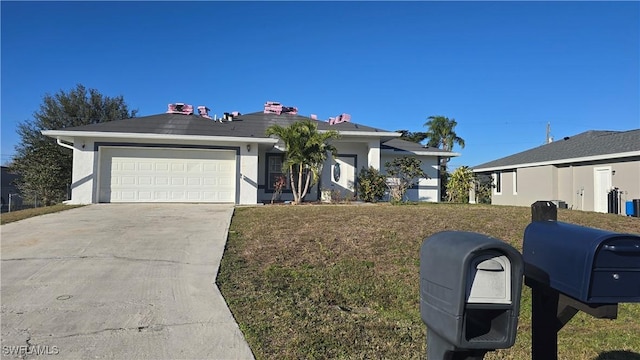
{"x": 167, "y": 175}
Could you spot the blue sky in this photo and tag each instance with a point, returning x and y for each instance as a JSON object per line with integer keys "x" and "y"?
{"x": 501, "y": 69}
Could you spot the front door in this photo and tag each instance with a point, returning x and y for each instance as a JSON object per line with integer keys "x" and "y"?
{"x": 601, "y": 186}
{"x": 343, "y": 175}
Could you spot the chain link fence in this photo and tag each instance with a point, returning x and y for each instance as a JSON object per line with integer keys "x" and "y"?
{"x": 14, "y": 201}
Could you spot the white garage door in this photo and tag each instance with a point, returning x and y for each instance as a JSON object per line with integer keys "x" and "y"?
{"x": 167, "y": 175}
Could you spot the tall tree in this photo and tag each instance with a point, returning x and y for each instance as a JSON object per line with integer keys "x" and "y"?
{"x": 441, "y": 134}
{"x": 45, "y": 167}
{"x": 307, "y": 150}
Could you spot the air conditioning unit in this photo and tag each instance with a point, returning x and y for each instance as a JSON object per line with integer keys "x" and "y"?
{"x": 559, "y": 204}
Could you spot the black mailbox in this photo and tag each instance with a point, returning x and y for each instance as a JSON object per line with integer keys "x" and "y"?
{"x": 591, "y": 265}
{"x": 470, "y": 287}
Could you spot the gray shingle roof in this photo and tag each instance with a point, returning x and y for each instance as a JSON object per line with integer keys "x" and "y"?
{"x": 247, "y": 125}
{"x": 403, "y": 145}
{"x": 589, "y": 143}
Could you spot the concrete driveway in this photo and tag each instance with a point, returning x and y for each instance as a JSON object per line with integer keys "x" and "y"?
{"x": 118, "y": 281}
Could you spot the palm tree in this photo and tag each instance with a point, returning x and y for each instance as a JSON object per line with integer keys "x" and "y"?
{"x": 441, "y": 134}
{"x": 307, "y": 150}
{"x": 416, "y": 137}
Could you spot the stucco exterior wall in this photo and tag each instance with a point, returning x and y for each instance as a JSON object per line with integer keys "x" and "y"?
{"x": 84, "y": 174}
{"x": 427, "y": 189}
{"x": 565, "y": 185}
{"x": 505, "y": 196}
{"x": 577, "y": 186}
{"x": 627, "y": 179}
{"x": 86, "y": 160}
{"x": 533, "y": 183}
{"x": 571, "y": 183}
{"x": 247, "y": 194}
{"x": 374, "y": 154}
{"x": 359, "y": 149}
{"x": 582, "y": 188}
{"x": 251, "y": 167}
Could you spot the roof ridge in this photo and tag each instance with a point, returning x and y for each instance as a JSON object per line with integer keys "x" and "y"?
{"x": 603, "y": 133}
{"x": 606, "y": 132}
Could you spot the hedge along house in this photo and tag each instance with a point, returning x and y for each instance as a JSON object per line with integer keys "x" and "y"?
{"x": 178, "y": 156}
{"x": 577, "y": 172}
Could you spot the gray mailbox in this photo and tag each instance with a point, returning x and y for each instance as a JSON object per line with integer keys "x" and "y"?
{"x": 470, "y": 287}
{"x": 591, "y": 265}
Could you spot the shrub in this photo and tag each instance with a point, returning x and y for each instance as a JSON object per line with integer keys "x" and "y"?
{"x": 279, "y": 185}
{"x": 371, "y": 184}
{"x": 460, "y": 182}
{"x": 404, "y": 172}
{"x": 484, "y": 187}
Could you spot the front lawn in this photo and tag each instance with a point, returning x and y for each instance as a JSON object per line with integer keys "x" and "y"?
{"x": 342, "y": 281}
{"x": 8, "y": 217}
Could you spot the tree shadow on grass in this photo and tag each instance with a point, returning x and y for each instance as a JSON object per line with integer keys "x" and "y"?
{"x": 618, "y": 355}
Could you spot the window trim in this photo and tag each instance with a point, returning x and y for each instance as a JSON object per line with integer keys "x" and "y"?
{"x": 515, "y": 181}
{"x": 497, "y": 178}
{"x": 267, "y": 174}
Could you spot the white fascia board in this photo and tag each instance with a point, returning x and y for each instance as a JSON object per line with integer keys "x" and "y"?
{"x": 425, "y": 153}
{"x": 366, "y": 133}
{"x": 562, "y": 161}
{"x": 99, "y": 134}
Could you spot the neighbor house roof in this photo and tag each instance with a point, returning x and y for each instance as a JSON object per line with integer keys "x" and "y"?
{"x": 251, "y": 125}
{"x": 587, "y": 146}
{"x": 399, "y": 146}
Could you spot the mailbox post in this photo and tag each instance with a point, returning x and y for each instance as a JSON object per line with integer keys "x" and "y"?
{"x": 572, "y": 268}
{"x": 470, "y": 286}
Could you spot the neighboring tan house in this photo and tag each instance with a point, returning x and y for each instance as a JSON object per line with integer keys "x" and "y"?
{"x": 181, "y": 157}
{"x": 579, "y": 171}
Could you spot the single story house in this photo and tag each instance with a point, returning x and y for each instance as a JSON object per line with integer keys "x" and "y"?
{"x": 577, "y": 171}
{"x": 181, "y": 157}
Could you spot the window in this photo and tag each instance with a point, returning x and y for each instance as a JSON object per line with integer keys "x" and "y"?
{"x": 497, "y": 181}
{"x": 515, "y": 181}
{"x": 274, "y": 170}
{"x": 336, "y": 172}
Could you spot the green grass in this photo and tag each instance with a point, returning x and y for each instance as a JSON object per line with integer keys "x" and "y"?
{"x": 8, "y": 217}
{"x": 342, "y": 282}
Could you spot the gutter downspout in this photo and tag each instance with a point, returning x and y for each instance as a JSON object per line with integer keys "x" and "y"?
{"x": 59, "y": 142}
